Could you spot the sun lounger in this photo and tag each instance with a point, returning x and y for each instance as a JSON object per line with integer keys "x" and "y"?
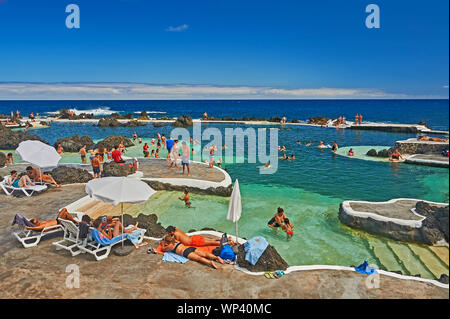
{"x": 30, "y": 238}
{"x": 71, "y": 240}
{"x": 100, "y": 251}
{"x": 9, "y": 190}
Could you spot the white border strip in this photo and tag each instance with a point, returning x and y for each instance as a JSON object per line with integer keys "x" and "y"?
{"x": 346, "y": 205}
{"x": 311, "y": 267}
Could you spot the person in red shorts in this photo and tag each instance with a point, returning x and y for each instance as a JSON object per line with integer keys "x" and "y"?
{"x": 194, "y": 240}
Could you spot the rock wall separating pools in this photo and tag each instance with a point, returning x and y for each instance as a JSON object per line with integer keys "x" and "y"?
{"x": 428, "y": 223}
{"x": 218, "y": 191}
{"x": 413, "y": 146}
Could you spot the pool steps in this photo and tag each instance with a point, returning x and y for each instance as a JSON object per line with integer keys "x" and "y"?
{"x": 411, "y": 259}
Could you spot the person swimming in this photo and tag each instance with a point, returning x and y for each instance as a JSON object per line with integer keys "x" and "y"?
{"x": 350, "y": 152}
{"x": 321, "y": 145}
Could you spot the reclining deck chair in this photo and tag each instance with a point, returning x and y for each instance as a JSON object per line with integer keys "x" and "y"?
{"x": 101, "y": 248}
{"x": 9, "y": 190}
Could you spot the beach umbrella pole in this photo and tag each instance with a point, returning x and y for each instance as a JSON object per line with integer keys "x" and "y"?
{"x": 123, "y": 228}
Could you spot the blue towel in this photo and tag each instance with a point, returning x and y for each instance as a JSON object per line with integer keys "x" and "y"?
{"x": 172, "y": 257}
{"x": 133, "y": 237}
{"x": 365, "y": 269}
{"x": 254, "y": 248}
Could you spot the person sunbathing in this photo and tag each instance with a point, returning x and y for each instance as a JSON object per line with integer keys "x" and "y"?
{"x": 17, "y": 182}
{"x": 39, "y": 225}
{"x": 432, "y": 139}
{"x": 35, "y": 175}
{"x": 170, "y": 244}
{"x": 113, "y": 229}
{"x": 194, "y": 240}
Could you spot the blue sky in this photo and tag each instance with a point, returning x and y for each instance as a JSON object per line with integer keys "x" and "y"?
{"x": 223, "y": 49}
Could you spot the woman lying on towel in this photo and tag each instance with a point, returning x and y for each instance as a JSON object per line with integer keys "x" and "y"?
{"x": 40, "y": 225}
{"x": 194, "y": 240}
{"x": 169, "y": 243}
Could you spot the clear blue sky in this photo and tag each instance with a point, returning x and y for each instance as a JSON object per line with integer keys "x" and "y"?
{"x": 278, "y": 44}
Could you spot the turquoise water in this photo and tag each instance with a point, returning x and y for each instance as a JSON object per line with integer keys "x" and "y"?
{"x": 309, "y": 188}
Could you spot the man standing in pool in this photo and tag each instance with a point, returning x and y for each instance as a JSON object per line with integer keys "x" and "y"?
{"x": 277, "y": 219}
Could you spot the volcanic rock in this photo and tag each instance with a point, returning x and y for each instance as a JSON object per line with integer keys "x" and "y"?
{"x": 74, "y": 144}
{"x": 270, "y": 260}
{"x": 183, "y": 121}
{"x": 70, "y": 175}
{"x": 10, "y": 140}
{"x": 115, "y": 169}
{"x": 114, "y": 140}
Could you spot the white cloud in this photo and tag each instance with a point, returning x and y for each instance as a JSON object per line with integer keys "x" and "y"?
{"x": 180, "y": 28}
{"x": 445, "y": 86}
{"x": 141, "y": 91}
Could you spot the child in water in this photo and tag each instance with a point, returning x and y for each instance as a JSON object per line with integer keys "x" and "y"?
{"x": 288, "y": 227}
{"x": 186, "y": 199}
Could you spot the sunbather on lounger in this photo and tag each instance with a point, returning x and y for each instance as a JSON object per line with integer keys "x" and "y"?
{"x": 17, "y": 182}
{"x": 170, "y": 244}
{"x": 194, "y": 240}
{"x": 34, "y": 174}
{"x": 112, "y": 230}
{"x": 39, "y": 225}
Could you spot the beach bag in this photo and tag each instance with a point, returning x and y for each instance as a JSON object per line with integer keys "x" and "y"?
{"x": 227, "y": 253}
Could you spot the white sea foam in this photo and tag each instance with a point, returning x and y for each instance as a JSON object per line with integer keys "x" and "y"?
{"x": 97, "y": 111}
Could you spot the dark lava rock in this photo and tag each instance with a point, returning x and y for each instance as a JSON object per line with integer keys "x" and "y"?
{"x": 276, "y": 119}
{"x": 10, "y": 140}
{"x": 219, "y": 191}
{"x": 114, "y": 169}
{"x": 148, "y": 222}
{"x": 318, "y": 120}
{"x": 372, "y": 152}
{"x": 2, "y": 159}
{"x": 70, "y": 175}
{"x": 114, "y": 140}
{"x": 435, "y": 226}
{"x": 143, "y": 116}
{"x": 424, "y": 124}
{"x": 113, "y": 122}
{"x": 270, "y": 260}
{"x": 444, "y": 279}
{"x": 64, "y": 114}
{"x": 183, "y": 121}
{"x": 118, "y": 116}
{"x": 74, "y": 143}
{"x": 386, "y": 152}
{"x": 108, "y": 122}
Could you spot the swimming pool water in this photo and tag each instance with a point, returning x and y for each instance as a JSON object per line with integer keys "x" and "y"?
{"x": 309, "y": 188}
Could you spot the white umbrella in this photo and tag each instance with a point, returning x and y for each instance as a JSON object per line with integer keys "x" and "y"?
{"x": 115, "y": 190}
{"x": 235, "y": 206}
{"x": 38, "y": 153}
